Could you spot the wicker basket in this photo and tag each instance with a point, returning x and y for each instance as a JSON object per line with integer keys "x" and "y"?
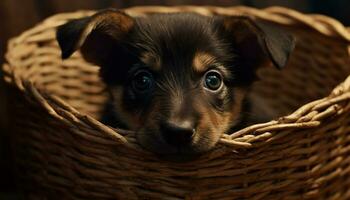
{"x": 63, "y": 152}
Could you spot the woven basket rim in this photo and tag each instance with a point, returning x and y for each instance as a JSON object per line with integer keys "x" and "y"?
{"x": 298, "y": 120}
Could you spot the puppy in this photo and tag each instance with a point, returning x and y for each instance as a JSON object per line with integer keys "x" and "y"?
{"x": 178, "y": 80}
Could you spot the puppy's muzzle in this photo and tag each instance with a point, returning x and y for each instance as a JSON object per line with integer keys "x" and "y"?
{"x": 177, "y": 134}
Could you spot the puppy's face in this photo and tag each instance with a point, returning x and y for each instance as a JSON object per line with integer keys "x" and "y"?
{"x": 178, "y": 80}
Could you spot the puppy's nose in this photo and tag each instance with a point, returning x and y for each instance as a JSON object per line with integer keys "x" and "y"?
{"x": 177, "y": 134}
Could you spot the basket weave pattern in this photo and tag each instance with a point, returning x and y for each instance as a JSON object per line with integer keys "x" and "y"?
{"x": 63, "y": 152}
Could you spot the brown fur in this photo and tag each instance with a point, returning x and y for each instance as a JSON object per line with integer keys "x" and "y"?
{"x": 202, "y": 60}
{"x": 153, "y": 60}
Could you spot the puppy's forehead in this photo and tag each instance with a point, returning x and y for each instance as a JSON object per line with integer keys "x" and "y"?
{"x": 201, "y": 61}
{"x": 174, "y": 39}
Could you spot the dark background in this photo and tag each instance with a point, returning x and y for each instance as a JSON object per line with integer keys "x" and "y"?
{"x": 19, "y": 15}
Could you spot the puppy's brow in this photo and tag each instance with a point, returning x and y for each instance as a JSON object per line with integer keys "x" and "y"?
{"x": 151, "y": 60}
{"x": 202, "y": 61}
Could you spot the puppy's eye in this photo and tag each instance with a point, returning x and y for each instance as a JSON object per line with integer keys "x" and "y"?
{"x": 212, "y": 80}
{"x": 142, "y": 81}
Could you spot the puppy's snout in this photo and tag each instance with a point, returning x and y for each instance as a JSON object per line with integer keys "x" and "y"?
{"x": 177, "y": 134}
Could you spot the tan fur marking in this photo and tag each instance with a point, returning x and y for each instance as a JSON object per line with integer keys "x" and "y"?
{"x": 225, "y": 120}
{"x": 202, "y": 61}
{"x": 151, "y": 60}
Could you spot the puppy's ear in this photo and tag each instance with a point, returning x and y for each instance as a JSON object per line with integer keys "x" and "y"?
{"x": 95, "y": 35}
{"x": 258, "y": 42}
